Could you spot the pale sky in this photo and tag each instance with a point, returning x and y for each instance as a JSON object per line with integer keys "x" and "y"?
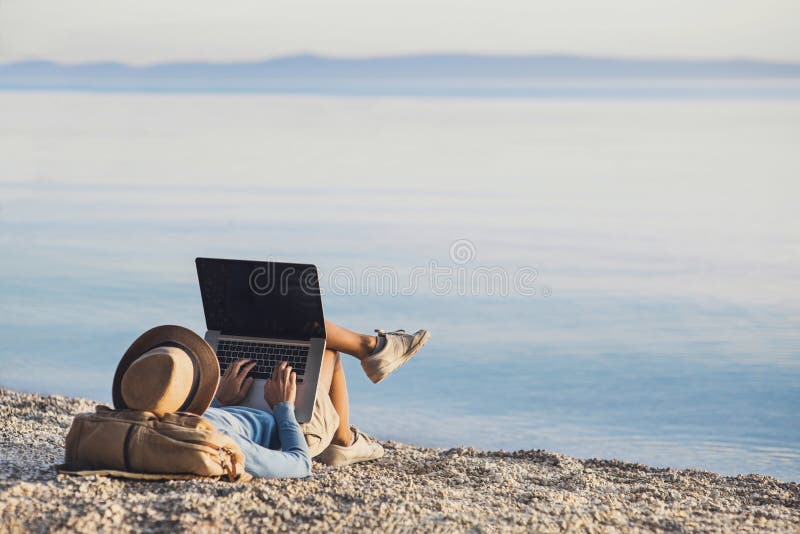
{"x": 152, "y": 31}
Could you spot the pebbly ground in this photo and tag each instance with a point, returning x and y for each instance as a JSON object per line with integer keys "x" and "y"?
{"x": 410, "y": 489}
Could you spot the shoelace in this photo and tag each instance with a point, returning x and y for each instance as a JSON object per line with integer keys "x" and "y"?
{"x": 355, "y": 430}
{"x": 385, "y": 333}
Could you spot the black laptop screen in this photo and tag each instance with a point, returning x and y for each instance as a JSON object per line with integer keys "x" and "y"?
{"x": 261, "y": 299}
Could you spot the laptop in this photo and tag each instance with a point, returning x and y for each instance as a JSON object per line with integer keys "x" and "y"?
{"x": 267, "y": 312}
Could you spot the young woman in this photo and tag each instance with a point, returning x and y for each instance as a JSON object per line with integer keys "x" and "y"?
{"x": 275, "y": 445}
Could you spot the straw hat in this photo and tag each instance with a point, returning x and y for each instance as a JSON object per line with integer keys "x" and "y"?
{"x": 167, "y": 369}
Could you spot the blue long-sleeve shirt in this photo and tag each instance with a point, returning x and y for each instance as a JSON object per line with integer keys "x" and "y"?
{"x": 273, "y": 445}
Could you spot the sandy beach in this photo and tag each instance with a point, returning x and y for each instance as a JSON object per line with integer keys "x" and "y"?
{"x": 410, "y": 489}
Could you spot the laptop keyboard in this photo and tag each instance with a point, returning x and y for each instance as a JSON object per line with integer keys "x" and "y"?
{"x": 266, "y": 355}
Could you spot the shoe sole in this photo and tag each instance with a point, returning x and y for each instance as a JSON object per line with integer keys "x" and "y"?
{"x": 402, "y": 360}
{"x": 351, "y": 461}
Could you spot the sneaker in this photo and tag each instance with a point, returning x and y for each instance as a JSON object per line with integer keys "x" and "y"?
{"x": 363, "y": 449}
{"x": 394, "y": 349}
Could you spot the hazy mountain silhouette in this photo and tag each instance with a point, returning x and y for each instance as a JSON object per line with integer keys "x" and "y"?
{"x": 441, "y": 74}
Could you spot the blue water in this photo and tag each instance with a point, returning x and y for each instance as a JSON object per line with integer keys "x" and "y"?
{"x": 663, "y": 327}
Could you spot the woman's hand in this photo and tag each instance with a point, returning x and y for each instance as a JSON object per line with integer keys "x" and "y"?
{"x": 235, "y": 383}
{"x": 282, "y": 387}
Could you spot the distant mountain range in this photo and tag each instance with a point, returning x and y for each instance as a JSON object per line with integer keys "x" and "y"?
{"x": 426, "y": 75}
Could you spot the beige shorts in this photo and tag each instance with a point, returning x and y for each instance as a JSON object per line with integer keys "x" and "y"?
{"x": 324, "y": 421}
{"x": 323, "y": 424}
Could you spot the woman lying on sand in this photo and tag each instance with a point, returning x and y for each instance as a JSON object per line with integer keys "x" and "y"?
{"x": 274, "y": 444}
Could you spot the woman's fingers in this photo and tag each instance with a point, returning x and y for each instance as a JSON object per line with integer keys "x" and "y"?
{"x": 246, "y": 385}
{"x": 279, "y": 373}
{"x": 246, "y": 369}
{"x": 235, "y": 366}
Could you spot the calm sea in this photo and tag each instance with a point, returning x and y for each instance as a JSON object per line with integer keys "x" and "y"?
{"x": 612, "y": 279}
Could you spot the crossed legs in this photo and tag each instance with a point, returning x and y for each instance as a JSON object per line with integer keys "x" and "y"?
{"x": 332, "y": 381}
{"x": 340, "y": 339}
{"x": 393, "y": 353}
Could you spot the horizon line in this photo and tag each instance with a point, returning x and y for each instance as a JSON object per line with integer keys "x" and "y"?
{"x": 480, "y": 55}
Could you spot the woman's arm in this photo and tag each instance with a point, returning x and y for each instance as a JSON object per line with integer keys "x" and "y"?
{"x": 294, "y": 458}
{"x": 280, "y": 392}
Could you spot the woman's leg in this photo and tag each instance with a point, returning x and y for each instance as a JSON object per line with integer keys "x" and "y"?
{"x": 323, "y": 427}
{"x": 349, "y": 342}
{"x": 341, "y": 403}
{"x": 393, "y": 348}
{"x": 346, "y": 446}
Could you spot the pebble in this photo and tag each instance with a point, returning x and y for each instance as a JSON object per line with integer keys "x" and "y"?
{"x": 410, "y": 489}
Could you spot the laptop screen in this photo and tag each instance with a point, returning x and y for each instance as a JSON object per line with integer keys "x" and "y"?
{"x": 261, "y": 299}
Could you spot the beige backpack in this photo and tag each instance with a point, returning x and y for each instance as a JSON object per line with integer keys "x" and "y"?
{"x": 141, "y": 445}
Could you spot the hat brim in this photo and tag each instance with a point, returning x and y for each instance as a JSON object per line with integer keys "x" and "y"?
{"x": 204, "y": 360}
